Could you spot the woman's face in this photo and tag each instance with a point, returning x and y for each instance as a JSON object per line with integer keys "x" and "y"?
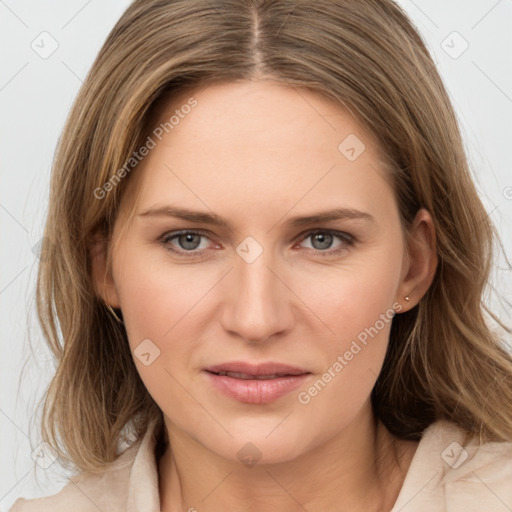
{"x": 259, "y": 280}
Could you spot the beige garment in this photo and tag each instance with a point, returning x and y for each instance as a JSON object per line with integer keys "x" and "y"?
{"x": 443, "y": 477}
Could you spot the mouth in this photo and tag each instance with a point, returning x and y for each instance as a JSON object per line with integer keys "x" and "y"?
{"x": 246, "y": 376}
{"x": 246, "y": 370}
{"x": 255, "y": 384}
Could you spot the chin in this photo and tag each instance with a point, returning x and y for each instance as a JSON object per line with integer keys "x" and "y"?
{"x": 262, "y": 443}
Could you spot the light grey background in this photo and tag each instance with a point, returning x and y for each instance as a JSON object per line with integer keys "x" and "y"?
{"x": 36, "y": 92}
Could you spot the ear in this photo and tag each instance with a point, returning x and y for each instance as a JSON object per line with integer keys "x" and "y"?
{"x": 103, "y": 280}
{"x": 420, "y": 263}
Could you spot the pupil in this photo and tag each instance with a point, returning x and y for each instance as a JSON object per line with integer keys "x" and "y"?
{"x": 324, "y": 239}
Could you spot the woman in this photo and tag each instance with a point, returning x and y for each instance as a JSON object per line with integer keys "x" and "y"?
{"x": 264, "y": 273}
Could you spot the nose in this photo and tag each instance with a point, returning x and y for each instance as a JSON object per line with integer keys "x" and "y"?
{"x": 257, "y": 303}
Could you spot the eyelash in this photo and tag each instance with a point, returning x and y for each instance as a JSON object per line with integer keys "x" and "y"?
{"x": 348, "y": 240}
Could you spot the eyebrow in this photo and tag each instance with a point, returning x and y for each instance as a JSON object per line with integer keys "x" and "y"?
{"x": 213, "y": 219}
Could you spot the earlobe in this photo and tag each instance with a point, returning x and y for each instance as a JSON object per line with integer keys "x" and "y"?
{"x": 421, "y": 261}
{"x": 103, "y": 281}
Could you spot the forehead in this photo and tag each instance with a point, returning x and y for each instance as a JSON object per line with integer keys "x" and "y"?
{"x": 237, "y": 113}
{"x": 259, "y": 145}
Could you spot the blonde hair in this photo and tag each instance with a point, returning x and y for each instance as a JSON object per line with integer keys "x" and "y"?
{"x": 443, "y": 359}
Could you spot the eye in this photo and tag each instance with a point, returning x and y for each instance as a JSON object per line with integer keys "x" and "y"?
{"x": 323, "y": 239}
{"x": 323, "y": 242}
{"x": 185, "y": 241}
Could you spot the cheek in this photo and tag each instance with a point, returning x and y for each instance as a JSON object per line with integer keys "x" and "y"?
{"x": 163, "y": 310}
{"x": 353, "y": 356}
{"x": 159, "y": 303}
{"x": 157, "y": 297}
{"x": 352, "y": 297}
{"x": 355, "y": 305}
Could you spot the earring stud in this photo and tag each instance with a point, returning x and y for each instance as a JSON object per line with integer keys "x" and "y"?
{"x": 114, "y": 313}
{"x": 407, "y": 298}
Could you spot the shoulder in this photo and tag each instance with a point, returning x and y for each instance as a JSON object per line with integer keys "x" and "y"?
{"x": 457, "y": 473}
{"x": 88, "y": 492}
{"x": 462, "y": 455}
{"x": 476, "y": 476}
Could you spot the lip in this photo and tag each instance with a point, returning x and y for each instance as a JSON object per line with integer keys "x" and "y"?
{"x": 258, "y": 383}
{"x": 257, "y": 370}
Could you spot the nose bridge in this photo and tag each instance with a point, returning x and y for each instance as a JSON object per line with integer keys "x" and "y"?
{"x": 257, "y": 305}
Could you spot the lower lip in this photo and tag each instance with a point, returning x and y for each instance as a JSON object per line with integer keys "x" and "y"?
{"x": 256, "y": 391}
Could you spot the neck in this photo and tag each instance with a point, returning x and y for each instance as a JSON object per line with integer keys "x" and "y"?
{"x": 361, "y": 468}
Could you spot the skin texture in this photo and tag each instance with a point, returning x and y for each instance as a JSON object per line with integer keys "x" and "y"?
{"x": 257, "y": 154}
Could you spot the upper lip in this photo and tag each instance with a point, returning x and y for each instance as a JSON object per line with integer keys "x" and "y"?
{"x": 270, "y": 368}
